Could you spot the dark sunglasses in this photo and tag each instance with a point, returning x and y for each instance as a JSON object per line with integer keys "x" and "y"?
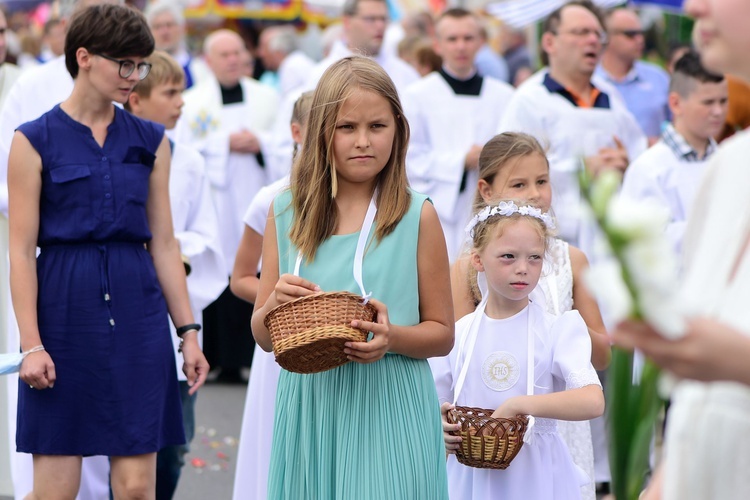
{"x": 631, "y": 33}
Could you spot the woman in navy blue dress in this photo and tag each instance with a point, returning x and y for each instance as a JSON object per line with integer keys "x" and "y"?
{"x": 88, "y": 186}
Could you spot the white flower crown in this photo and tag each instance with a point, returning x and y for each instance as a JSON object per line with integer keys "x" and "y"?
{"x": 508, "y": 208}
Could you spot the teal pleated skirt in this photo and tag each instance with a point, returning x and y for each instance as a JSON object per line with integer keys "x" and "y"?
{"x": 359, "y": 431}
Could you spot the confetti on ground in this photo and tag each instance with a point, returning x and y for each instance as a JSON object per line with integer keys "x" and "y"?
{"x": 217, "y": 451}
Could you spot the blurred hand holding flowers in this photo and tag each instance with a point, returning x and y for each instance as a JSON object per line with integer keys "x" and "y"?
{"x": 639, "y": 282}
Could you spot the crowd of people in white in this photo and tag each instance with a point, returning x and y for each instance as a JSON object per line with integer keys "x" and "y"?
{"x": 474, "y": 139}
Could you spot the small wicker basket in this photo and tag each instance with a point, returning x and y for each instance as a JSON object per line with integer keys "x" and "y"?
{"x": 309, "y": 333}
{"x": 488, "y": 443}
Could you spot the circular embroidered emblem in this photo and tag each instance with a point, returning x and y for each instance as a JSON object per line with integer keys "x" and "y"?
{"x": 500, "y": 371}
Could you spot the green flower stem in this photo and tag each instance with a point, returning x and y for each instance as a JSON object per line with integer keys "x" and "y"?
{"x": 648, "y": 405}
{"x": 620, "y": 419}
{"x": 632, "y": 413}
{"x": 619, "y": 252}
{"x": 632, "y": 409}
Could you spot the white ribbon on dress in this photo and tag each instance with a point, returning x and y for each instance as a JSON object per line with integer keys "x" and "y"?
{"x": 359, "y": 254}
{"x": 471, "y": 339}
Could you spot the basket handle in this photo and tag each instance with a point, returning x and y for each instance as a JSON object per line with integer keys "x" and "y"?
{"x": 359, "y": 254}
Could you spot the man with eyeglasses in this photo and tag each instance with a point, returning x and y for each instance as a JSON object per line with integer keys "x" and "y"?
{"x": 578, "y": 119}
{"x": 643, "y": 85}
{"x": 561, "y": 106}
{"x": 365, "y": 22}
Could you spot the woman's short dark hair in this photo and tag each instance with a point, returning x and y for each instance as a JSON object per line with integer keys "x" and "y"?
{"x": 111, "y": 30}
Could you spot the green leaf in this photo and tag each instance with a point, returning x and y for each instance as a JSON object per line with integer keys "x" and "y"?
{"x": 619, "y": 414}
{"x": 632, "y": 413}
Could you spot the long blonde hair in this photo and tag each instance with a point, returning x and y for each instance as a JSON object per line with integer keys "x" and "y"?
{"x": 313, "y": 182}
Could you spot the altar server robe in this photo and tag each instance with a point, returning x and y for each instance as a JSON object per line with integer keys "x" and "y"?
{"x": 571, "y": 133}
{"x": 196, "y": 228}
{"x": 35, "y": 92}
{"x": 9, "y": 73}
{"x": 660, "y": 177}
{"x": 294, "y": 71}
{"x": 206, "y": 124}
{"x": 444, "y": 126}
{"x": 400, "y": 72}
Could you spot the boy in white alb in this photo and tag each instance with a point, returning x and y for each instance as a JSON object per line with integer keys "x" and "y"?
{"x": 670, "y": 172}
{"x": 452, "y": 113}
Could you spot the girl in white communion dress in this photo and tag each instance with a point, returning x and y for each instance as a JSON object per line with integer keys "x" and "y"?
{"x": 510, "y": 354}
{"x": 513, "y": 165}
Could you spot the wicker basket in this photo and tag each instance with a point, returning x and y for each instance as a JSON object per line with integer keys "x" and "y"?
{"x": 309, "y": 333}
{"x": 488, "y": 443}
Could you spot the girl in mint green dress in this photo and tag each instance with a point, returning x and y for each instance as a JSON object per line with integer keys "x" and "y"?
{"x": 369, "y": 429}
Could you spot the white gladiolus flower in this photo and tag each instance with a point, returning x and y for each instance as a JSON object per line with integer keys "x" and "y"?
{"x": 666, "y": 384}
{"x": 602, "y": 191}
{"x": 604, "y": 279}
{"x": 664, "y": 313}
{"x": 652, "y": 264}
{"x": 634, "y": 220}
{"x": 637, "y": 281}
{"x": 639, "y": 230}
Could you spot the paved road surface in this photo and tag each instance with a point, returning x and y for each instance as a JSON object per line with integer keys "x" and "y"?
{"x": 209, "y": 472}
